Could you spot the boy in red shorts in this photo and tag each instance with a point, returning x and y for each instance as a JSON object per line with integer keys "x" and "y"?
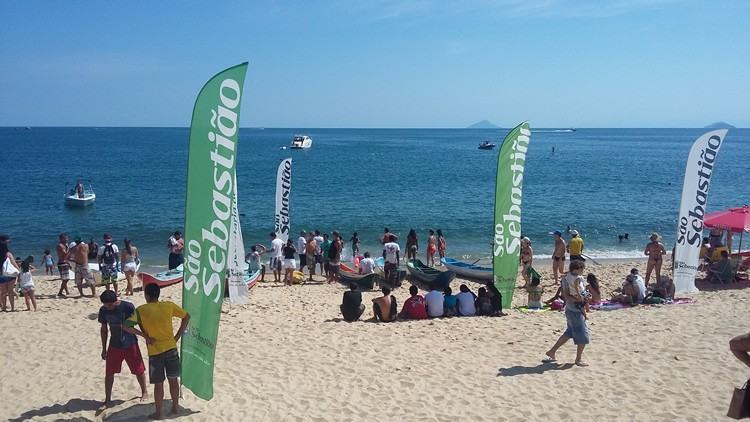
{"x": 123, "y": 346}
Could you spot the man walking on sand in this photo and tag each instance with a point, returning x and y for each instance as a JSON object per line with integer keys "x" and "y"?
{"x": 62, "y": 264}
{"x": 84, "y": 278}
{"x": 123, "y": 346}
{"x": 155, "y": 321}
{"x": 558, "y": 256}
{"x": 571, "y": 285}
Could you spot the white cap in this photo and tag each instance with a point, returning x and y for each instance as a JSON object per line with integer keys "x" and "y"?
{"x": 574, "y": 232}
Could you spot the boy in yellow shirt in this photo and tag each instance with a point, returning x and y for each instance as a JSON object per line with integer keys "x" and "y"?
{"x": 155, "y": 321}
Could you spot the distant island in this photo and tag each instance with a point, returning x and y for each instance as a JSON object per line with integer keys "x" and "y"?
{"x": 484, "y": 124}
{"x": 720, "y": 125}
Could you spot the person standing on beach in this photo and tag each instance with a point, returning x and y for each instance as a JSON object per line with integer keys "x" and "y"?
{"x": 390, "y": 260}
{"x": 442, "y": 246}
{"x": 319, "y": 250}
{"x": 63, "y": 266}
{"x": 334, "y": 258}
{"x": 575, "y": 247}
{"x": 527, "y": 260}
{"x": 301, "y": 250}
{"x": 93, "y": 248}
{"x": 83, "y": 274}
{"x": 7, "y": 282}
{"x": 176, "y": 244}
{"x": 431, "y": 248}
{"x": 571, "y": 285}
{"x": 123, "y": 346}
{"x": 655, "y": 252}
{"x": 325, "y": 247}
{"x": 558, "y": 256}
{"x": 155, "y": 321}
{"x": 130, "y": 259}
{"x": 48, "y": 262}
{"x": 288, "y": 264}
{"x": 355, "y": 245}
{"x": 108, "y": 258}
{"x": 412, "y": 245}
{"x": 312, "y": 250}
{"x": 277, "y": 256}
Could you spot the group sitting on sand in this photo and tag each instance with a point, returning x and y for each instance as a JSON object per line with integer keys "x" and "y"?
{"x": 435, "y": 304}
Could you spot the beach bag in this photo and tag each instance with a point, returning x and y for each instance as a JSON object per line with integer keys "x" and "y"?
{"x": 739, "y": 407}
{"x": 9, "y": 270}
{"x": 108, "y": 257}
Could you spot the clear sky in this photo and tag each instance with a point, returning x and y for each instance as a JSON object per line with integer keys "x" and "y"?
{"x": 380, "y": 63}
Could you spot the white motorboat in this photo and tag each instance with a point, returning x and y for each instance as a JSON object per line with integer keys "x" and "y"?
{"x": 301, "y": 142}
{"x": 80, "y": 200}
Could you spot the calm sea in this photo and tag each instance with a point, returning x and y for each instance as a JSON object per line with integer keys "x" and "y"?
{"x": 603, "y": 182}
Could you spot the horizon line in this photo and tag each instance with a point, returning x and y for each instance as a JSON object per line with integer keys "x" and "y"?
{"x": 359, "y": 127}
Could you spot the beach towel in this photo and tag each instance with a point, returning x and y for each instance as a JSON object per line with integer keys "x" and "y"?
{"x": 527, "y": 310}
{"x": 612, "y": 306}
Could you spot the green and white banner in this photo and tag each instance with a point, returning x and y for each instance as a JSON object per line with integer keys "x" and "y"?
{"x": 208, "y": 211}
{"x": 511, "y": 162}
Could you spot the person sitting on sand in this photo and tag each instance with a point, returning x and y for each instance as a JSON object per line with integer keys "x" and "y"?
{"x": 496, "y": 299}
{"x": 576, "y": 321}
{"x": 367, "y": 264}
{"x": 655, "y": 251}
{"x": 535, "y": 291}
{"x": 351, "y": 304}
{"x": 482, "y": 303}
{"x": 155, "y": 321}
{"x": 717, "y": 269}
{"x": 465, "y": 302}
{"x": 740, "y": 346}
{"x": 435, "y": 303}
{"x": 414, "y": 306}
{"x": 385, "y": 303}
{"x": 665, "y": 288}
{"x": 631, "y": 293}
{"x": 594, "y": 291}
{"x": 450, "y": 304}
{"x": 123, "y": 346}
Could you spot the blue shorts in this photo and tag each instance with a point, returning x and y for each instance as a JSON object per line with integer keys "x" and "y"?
{"x": 577, "y": 328}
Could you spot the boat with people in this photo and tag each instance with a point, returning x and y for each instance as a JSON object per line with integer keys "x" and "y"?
{"x": 486, "y": 145}
{"x": 301, "y": 142}
{"x": 433, "y": 278}
{"x": 80, "y": 196}
{"x": 467, "y": 270}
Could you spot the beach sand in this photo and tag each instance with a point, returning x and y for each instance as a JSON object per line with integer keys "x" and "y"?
{"x": 288, "y": 356}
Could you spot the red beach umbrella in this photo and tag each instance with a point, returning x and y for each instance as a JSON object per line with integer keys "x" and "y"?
{"x": 734, "y": 219}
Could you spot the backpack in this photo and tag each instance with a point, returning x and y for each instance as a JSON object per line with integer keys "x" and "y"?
{"x": 108, "y": 257}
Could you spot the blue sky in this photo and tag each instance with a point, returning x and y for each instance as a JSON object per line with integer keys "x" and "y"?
{"x": 380, "y": 63}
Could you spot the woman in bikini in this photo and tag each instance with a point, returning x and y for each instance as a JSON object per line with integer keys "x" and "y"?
{"x": 527, "y": 256}
{"x": 431, "y": 248}
{"x": 412, "y": 245}
{"x": 442, "y": 245}
{"x": 654, "y": 250}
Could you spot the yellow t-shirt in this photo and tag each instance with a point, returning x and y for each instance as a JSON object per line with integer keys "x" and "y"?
{"x": 576, "y": 245}
{"x": 156, "y": 320}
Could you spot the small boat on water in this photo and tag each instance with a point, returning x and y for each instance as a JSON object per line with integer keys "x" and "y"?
{"x": 486, "y": 145}
{"x": 466, "y": 270}
{"x": 433, "y": 278}
{"x": 301, "y": 142}
{"x": 80, "y": 198}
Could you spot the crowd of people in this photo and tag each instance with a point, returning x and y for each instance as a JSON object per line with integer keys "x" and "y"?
{"x": 435, "y": 304}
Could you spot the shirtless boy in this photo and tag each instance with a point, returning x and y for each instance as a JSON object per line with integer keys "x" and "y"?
{"x": 84, "y": 278}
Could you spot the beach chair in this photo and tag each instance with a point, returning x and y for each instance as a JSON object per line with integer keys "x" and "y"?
{"x": 724, "y": 275}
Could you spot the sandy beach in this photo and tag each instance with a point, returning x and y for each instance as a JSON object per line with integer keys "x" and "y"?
{"x": 288, "y": 356}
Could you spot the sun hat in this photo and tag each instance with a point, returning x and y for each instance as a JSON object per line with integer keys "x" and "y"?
{"x": 574, "y": 232}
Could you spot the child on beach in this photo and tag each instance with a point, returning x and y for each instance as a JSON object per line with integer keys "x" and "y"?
{"x": 593, "y": 289}
{"x": 535, "y": 291}
{"x": 48, "y": 262}
{"x": 27, "y": 283}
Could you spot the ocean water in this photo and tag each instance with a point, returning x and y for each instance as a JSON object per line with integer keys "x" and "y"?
{"x": 602, "y": 182}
